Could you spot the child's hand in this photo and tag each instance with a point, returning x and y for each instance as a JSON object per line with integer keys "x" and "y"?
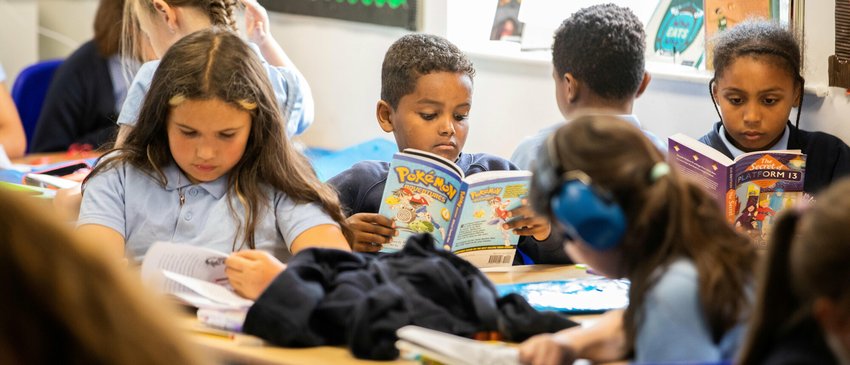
{"x": 67, "y": 202}
{"x": 371, "y": 231}
{"x": 256, "y": 22}
{"x": 250, "y": 272}
{"x": 546, "y": 349}
{"x": 527, "y": 223}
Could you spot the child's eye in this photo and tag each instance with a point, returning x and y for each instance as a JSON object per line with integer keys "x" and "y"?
{"x": 461, "y": 117}
{"x": 427, "y": 116}
{"x": 770, "y": 101}
{"x": 735, "y": 100}
{"x": 226, "y": 135}
{"x": 189, "y": 133}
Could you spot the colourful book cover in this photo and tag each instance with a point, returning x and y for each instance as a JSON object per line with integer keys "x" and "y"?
{"x": 426, "y": 193}
{"x": 752, "y": 188}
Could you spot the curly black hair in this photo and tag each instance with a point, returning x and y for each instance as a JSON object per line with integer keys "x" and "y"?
{"x": 602, "y": 46}
{"x": 766, "y": 40}
{"x": 415, "y": 55}
{"x": 757, "y": 38}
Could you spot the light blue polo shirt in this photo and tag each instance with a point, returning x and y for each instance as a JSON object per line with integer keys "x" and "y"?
{"x": 135, "y": 205}
{"x": 291, "y": 90}
{"x": 526, "y": 152}
{"x": 672, "y": 327}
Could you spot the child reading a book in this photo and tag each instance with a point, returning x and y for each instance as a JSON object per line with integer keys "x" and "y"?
{"x": 628, "y": 215}
{"x": 600, "y": 37}
{"x": 426, "y": 95}
{"x": 756, "y": 83}
{"x": 67, "y": 302}
{"x": 802, "y": 312}
{"x": 210, "y": 165}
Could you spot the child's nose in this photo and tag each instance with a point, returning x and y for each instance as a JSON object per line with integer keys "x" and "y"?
{"x": 447, "y": 126}
{"x": 752, "y": 114}
{"x": 204, "y": 152}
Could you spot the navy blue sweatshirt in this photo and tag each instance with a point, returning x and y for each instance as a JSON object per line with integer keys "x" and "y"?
{"x": 362, "y": 186}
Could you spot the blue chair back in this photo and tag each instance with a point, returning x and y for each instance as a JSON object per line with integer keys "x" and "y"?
{"x": 29, "y": 91}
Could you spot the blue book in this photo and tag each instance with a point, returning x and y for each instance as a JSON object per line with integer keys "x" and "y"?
{"x": 426, "y": 193}
{"x": 576, "y": 296}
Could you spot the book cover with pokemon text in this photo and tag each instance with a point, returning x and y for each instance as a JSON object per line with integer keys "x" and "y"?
{"x": 477, "y": 234}
{"x": 419, "y": 197}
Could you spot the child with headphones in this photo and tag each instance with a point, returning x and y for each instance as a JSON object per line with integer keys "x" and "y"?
{"x": 624, "y": 212}
{"x": 756, "y": 83}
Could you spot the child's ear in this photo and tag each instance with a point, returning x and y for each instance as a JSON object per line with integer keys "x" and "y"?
{"x": 166, "y": 13}
{"x": 643, "y": 84}
{"x": 384, "y": 112}
{"x": 572, "y": 87}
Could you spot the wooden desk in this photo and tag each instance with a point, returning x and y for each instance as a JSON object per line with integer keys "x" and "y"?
{"x": 228, "y": 351}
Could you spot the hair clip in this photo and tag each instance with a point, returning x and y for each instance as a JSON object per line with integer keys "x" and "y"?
{"x": 659, "y": 170}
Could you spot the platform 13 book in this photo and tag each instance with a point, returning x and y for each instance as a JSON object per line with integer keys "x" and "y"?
{"x": 426, "y": 193}
{"x": 752, "y": 188}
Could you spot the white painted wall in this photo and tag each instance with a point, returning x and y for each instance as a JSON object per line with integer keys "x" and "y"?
{"x": 18, "y": 36}
{"x": 512, "y": 97}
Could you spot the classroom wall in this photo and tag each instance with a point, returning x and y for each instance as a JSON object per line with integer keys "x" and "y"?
{"x": 512, "y": 98}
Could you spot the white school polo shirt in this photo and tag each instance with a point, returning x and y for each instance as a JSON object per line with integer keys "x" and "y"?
{"x": 292, "y": 93}
{"x": 135, "y": 205}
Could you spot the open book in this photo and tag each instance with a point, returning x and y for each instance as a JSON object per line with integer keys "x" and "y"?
{"x": 426, "y": 193}
{"x": 752, "y": 188}
{"x": 195, "y": 275}
{"x": 445, "y": 348}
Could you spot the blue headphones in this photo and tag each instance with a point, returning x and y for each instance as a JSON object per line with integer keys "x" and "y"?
{"x": 583, "y": 209}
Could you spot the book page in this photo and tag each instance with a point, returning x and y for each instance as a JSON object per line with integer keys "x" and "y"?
{"x": 419, "y": 196}
{"x": 478, "y": 235}
{"x": 213, "y": 292}
{"x": 197, "y": 262}
{"x": 702, "y": 164}
{"x": 452, "y": 349}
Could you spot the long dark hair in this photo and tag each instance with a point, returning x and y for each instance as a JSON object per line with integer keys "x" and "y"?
{"x": 215, "y": 63}
{"x": 667, "y": 218}
{"x": 808, "y": 257}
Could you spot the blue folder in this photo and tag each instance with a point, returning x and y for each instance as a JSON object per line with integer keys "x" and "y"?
{"x": 575, "y": 296}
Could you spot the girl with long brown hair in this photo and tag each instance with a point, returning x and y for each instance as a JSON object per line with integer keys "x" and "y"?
{"x": 209, "y": 164}
{"x": 690, "y": 272}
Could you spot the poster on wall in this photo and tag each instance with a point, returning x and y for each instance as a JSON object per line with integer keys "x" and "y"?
{"x": 675, "y": 33}
{"x": 395, "y": 13}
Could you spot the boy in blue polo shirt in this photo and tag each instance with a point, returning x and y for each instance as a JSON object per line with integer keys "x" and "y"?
{"x": 426, "y": 96}
{"x": 598, "y": 69}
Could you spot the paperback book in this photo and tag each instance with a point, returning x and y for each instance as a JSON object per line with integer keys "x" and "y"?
{"x": 426, "y": 193}
{"x": 752, "y": 188}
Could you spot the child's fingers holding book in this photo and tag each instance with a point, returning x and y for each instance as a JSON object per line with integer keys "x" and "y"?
{"x": 251, "y": 271}
{"x": 370, "y": 231}
{"x": 525, "y": 222}
{"x": 545, "y": 349}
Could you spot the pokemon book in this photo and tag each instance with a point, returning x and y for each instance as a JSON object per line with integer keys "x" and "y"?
{"x": 426, "y": 193}
{"x": 752, "y": 188}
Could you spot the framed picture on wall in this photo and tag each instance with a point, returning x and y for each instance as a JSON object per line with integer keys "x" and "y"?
{"x": 394, "y": 13}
